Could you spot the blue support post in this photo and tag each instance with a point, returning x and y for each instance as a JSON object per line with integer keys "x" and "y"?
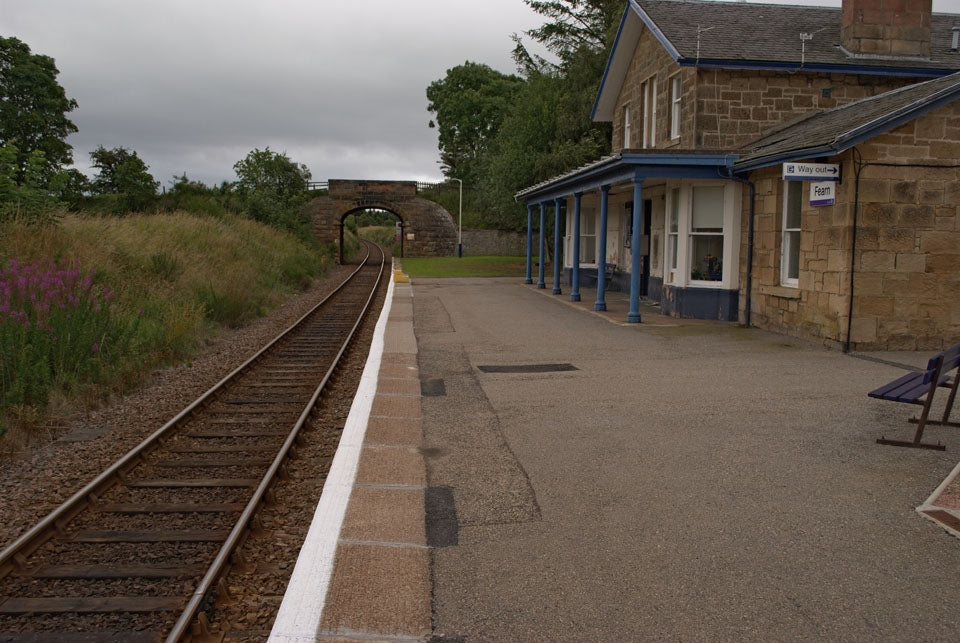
{"x": 529, "y": 279}
{"x": 633, "y": 316}
{"x": 575, "y": 270}
{"x": 557, "y": 207}
{"x": 543, "y": 244}
{"x": 601, "y": 303}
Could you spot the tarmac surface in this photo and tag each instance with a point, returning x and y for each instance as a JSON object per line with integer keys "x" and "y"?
{"x": 585, "y": 479}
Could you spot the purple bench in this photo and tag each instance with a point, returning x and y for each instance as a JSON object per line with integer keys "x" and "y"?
{"x": 919, "y": 388}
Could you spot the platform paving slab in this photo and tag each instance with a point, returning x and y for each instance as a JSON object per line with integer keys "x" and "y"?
{"x": 689, "y": 481}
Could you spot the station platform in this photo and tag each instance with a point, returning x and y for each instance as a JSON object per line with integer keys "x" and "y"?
{"x": 528, "y": 469}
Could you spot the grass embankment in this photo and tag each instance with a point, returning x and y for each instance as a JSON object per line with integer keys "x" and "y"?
{"x": 92, "y": 305}
{"x": 465, "y": 266}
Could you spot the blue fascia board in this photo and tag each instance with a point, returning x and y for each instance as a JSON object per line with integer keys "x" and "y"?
{"x": 654, "y": 29}
{"x": 866, "y": 70}
{"x": 632, "y": 167}
{"x": 613, "y": 51}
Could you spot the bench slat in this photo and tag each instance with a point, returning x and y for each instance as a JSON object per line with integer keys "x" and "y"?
{"x": 903, "y": 389}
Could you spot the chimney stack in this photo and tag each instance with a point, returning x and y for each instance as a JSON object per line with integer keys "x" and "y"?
{"x": 887, "y": 27}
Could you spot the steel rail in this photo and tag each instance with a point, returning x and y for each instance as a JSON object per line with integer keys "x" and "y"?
{"x": 215, "y": 569}
{"x": 33, "y": 538}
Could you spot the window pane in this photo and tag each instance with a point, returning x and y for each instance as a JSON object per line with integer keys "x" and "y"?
{"x": 588, "y": 222}
{"x": 588, "y": 249}
{"x": 675, "y": 107}
{"x": 791, "y": 241}
{"x": 626, "y": 126}
{"x": 707, "y": 209}
{"x": 672, "y": 252}
{"x": 794, "y": 204}
{"x": 707, "y": 260}
{"x": 674, "y": 208}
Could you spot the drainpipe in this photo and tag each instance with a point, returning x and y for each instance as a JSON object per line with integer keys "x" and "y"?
{"x": 853, "y": 241}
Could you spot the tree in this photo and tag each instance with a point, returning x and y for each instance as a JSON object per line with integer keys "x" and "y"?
{"x": 469, "y": 103}
{"x": 25, "y": 199}
{"x": 33, "y": 109}
{"x": 273, "y": 172}
{"x": 573, "y": 25}
{"x": 123, "y": 173}
{"x": 273, "y": 189}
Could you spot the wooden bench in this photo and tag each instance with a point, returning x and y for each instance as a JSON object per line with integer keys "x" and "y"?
{"x": 919, "y": 388}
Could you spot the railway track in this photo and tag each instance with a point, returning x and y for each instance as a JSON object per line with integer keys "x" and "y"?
{"x": 137, "y": 554}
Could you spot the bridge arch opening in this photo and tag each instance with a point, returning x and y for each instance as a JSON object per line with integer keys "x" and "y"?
{"x": 427, "y": 229}
{"x": 378, "y": 224}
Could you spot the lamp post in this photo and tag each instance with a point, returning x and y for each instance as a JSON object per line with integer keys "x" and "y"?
{"x": 460, "y": 221}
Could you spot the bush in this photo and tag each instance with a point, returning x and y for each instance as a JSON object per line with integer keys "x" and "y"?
{"x": 56, "y": 329}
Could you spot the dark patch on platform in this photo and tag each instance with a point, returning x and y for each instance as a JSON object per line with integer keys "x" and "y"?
{"x": 527, "y": 368}
{"x": 433, "y": 388}
{"x": 447, "y": 638}
{"x": 442, "y": 527}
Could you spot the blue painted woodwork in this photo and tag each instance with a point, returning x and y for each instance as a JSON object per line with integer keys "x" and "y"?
{"x": 529, "y": 279}
{"x": 575, "y": 270}
{"x": 557, "y": 208}
{"x": 543, "y": 244}
{"x": 919, "y": 388}
{"x": 633, "y": 316}
{"x": 601, "y": 303}
{"x": 700, "y": 303}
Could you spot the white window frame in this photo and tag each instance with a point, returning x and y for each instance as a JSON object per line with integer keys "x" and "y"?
{"x": 675, "y": 89}
{"x": 672, "y": 235}
{"x": 682, "y": 193}
{"x": 626, "y": 127}
{"x": 648, "y": 90}
{"x": 694, "y": 263}
{"x": 790, "y": 246}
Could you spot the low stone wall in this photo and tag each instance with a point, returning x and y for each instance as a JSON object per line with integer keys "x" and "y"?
{"x": 478, "y": 243}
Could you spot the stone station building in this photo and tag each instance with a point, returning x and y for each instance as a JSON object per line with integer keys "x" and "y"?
{"x": 696, "y": 208}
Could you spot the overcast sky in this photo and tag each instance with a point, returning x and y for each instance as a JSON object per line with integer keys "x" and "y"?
{"x": 339, "y": 85}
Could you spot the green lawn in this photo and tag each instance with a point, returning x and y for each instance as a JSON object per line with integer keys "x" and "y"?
{"x": 465, "y": 266}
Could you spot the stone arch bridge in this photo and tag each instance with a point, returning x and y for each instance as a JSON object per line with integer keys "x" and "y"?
{"x": 427, "y": 229}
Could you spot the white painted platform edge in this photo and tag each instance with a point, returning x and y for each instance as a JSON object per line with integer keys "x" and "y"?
{"x": 298, "y": 619}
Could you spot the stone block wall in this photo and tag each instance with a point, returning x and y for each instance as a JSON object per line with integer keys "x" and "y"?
{"x": 478, "y": 243}
{"x": 907, "y": 263}
{"x": 725, "y": 109}
{"x": 908, "y": 242}
{"x": 735, "y": 107}
{"x": 817, "y": 308}
{"x": 651, "y": 60}
{"x": 886, "y": 27}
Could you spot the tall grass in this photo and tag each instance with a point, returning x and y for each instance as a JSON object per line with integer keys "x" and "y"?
{"x": 100, "y": 302}
{"x": 56, "y": 328}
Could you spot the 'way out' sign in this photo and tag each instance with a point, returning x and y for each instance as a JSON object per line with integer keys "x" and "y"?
{"x": 811, "y": 172}
{"x": 822, "y": 193}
